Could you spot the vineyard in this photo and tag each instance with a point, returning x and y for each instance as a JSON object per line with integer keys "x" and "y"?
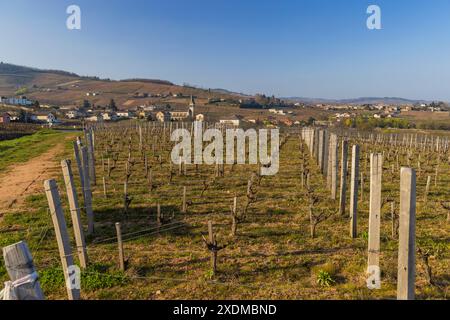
{"x": 143, "y": 227}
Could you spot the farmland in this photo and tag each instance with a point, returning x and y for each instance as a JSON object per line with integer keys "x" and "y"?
{"x": 272, "y": 253}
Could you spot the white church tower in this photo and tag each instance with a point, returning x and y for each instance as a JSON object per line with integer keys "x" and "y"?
{"x": 192, "y": 109}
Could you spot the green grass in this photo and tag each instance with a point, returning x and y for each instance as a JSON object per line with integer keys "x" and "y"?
{"x": 23, "y": 149}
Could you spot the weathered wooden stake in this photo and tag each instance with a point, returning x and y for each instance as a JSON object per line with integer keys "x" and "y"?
{"x": 375, "y": 209}
{"x": 62, "y": 237}
{"x": 212, "y": 240}
{"x": 343, "y": 186}
{"x": 105, "y": 193}
{"x": 79, "y": 160}
{"x": 427, "y": 189}
{"x": 75, "y": 212}
{"x": 183, "y": 206}
{"x": 407, "y": 228}
{"x": 120, "y": 246}
{"x": 334, "y": 166}
{"x": 87, "y": 192}
{"x": 354, "y": 192}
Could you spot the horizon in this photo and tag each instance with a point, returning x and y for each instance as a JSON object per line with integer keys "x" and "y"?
{"x": 311, "y": 49}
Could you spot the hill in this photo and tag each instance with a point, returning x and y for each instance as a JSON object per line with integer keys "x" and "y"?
{"x": 58, "y": 87}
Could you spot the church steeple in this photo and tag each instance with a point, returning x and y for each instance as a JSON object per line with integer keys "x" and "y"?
{"x": 192, "y": 108}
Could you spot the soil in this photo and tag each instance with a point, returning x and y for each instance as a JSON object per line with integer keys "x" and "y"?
{"x": 22, "y": 180}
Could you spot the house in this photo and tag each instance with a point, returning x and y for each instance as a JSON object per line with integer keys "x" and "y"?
{"x": 44, "y": 117}
{"x": 148, "y": 108}
{"x": 275, "y": 111}
{"x": 109, "y": 116}
{"x": 230, "y": 122}
{"x": 5, "y": 118}
{"x": 144, "y": 114}
{"x": 22, "y": 101}
{"x": 163, "y": 116}
{"x": 94, "y": 118}
{"x": 73, "y": 114}
{"x": 124, "y": 114}
{"x": 179, "y": 115}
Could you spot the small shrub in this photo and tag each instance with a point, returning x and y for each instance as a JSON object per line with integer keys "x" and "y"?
{"x": 365, "y": 235}
{"x": 324, "y": 279}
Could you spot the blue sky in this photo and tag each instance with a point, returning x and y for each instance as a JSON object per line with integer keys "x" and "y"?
{"x": 309, "y": 48}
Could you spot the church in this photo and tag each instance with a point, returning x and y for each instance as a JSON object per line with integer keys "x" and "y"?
{"x": 189, "y": 115}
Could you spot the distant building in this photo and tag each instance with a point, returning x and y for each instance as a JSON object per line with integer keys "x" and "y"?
{"x": 109, "y": 116}
{"x": 94, "y": 118}
{"x": 163, "y": 116}
{"x": 144, "y": 114}
{"x": 73, "y": 114}
{"x": 178, "y": 115}
{"x": 231, "y": 122}
{"x": 22, "y": 101}
{"x": 45, "y": 117}
{"x": 5, "y": 118}
{"x": 124, "y": 114}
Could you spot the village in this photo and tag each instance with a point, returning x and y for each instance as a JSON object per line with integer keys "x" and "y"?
{"x": 247, "y": 111}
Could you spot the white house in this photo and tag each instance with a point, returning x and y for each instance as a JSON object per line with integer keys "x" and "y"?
{"x": 124, "y": 114}
{"x": 47, "y": 117}
{"x": 94, "y": 118}
{"x": 73, "y": 114}
{"x": 109, "y": 116}
{"x": 232, "y": 122}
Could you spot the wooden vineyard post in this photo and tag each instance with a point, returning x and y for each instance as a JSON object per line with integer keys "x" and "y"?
{"x": 158, "y": 217}
{"x": 354, "y": 192}
{"x": 343, "y": 186}
{"x": 362, "y": 186}
{"x": 62, "y": 237}
{"x": 75, "y": 212}
{"x": 334, "y": 166}
{"x": 105, "y": 193}
{"x": 91, "y": 158}
{"x": 374, "y": 214}
{"x": 406, "y": 244}
{"x": 120, "y": 246}
{"x": 427, "y": 189}
{"x": 436, "y": 175}
{"x": 212, "y": 240}
{"x": 78, "y": 158}
{"x": 19, "y": 264}
{"x": 393, "y": 221}
{"x": 183, "y": 206}
{"x": 321, "y": 150}
{"x": 87, "y": 192}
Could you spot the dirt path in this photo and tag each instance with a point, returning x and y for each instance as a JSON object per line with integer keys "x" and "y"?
{"x": 27, "y": 178}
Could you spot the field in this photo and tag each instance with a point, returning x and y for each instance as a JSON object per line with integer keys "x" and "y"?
{"x": 272, "y": 254}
